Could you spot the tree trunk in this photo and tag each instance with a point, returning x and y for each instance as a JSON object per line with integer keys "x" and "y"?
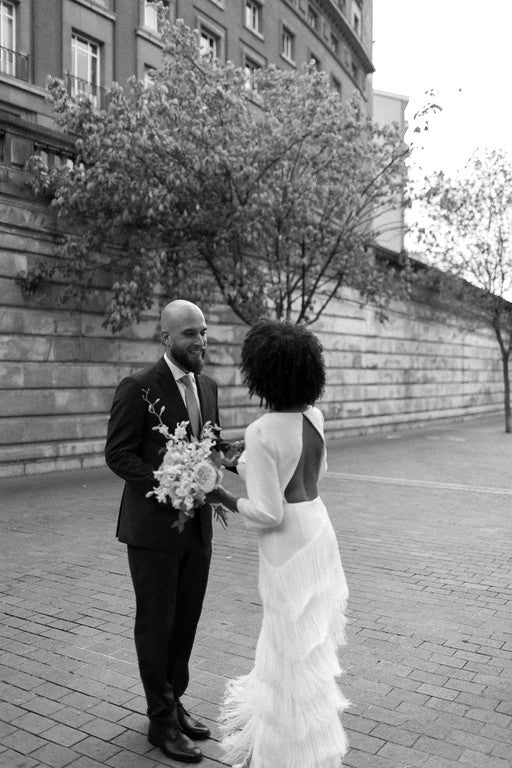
{"x": 506, "y": 381}
{"x": 505, "y": 350}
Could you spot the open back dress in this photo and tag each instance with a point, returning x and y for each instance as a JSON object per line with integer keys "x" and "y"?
{"x": 286, "y": 712}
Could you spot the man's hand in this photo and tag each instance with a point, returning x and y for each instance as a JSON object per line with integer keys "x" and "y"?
{"x": 231, "y": 457}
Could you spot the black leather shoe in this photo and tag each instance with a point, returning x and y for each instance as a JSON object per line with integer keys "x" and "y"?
{"x": 174, "y": 744}
{"x": 190, "y": 727}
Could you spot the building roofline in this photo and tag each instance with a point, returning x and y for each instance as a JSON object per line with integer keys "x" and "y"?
{"x": 391, "y": 95}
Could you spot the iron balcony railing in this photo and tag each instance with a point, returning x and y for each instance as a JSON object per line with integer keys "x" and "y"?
{"x": 78, "y": 87}
{"x": 13, "y": 63}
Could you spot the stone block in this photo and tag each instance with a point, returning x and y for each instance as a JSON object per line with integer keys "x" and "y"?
{"x": 19, "y": 150}
{"x": 11, "y": 263}
{"x": 22, "y": 320}
{"x": 52, "y": 428}
{"x": 53, "y": 465}
{"x": 39, "y": 402}
{"x": 11, "y": 375}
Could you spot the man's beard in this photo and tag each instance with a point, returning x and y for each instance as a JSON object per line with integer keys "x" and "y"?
{"x": 187, "y": 361}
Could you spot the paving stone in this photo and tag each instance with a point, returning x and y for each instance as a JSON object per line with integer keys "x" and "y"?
{"x": 395, "y": 735}
{"x": 405, "y": 755}
{"x": 33, "y": 723}
{"x": 107, "y": 711}
{"x": 103, "y": 729}
{"x": 11, "y": 759}
{"x": 481, "y": 760}
{"x": 125, "y": 759}
{"x": 54, "y": 756}
{"x": 22, "y": 741}
{"x": 10, "y": 712}
{"x": 98, "y": 749}
{"x": 64, "y": 735}
{"x": 438, "y": 692}
{"x": 86, "y": 762}
{"x": 443, "y": 748}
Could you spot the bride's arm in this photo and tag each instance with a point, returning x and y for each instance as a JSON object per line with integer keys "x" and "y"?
{"x": 264, "y": 506}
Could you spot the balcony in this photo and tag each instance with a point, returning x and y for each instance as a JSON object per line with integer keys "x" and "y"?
{"x": 77, "y": 87}
{"x": 13, "y": 63}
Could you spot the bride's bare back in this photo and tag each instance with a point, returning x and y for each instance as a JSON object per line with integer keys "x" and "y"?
{"x": 303, "y": 486}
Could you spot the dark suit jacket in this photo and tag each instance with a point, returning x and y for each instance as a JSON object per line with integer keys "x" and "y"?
{"x": 134, "y": 450}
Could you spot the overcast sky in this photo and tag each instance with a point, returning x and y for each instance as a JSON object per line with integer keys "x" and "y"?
{"x": 460, "y": 48}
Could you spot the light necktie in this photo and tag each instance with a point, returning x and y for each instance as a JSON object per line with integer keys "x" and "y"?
{"x": 192, "y": 405}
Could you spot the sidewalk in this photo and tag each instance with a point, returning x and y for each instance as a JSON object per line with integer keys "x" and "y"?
{"x": 424, "y": 523}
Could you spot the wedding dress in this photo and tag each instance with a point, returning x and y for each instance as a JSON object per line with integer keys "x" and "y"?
{"x": 285, "y": 712}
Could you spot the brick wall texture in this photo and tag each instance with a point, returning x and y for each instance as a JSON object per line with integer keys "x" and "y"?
{"x": 59, "y": 366}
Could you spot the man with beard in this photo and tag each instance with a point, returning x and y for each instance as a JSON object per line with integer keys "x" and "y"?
{"x": 169, "y": 569}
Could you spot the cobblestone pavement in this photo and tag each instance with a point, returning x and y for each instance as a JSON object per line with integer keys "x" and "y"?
{"x": 424, "y": 523}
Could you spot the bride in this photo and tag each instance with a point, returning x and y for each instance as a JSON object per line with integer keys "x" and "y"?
{"x": 285, "y": 712}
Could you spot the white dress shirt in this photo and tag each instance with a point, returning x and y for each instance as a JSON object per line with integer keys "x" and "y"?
{"x": 178, "y": 373}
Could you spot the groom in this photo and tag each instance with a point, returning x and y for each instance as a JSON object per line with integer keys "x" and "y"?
{"x": 169, "y": 569}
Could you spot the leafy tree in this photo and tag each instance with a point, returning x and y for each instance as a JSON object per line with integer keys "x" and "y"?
{"x": 466, "y": 231}
{"x": 195, "y": 183}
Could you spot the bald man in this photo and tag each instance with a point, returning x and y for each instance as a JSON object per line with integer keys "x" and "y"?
{"x": 169, "y": 569}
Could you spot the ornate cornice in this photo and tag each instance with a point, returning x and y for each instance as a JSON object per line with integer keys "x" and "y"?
{"x": 338, "y": 19}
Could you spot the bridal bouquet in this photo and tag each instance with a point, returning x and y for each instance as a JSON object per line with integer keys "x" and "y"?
{"x": 190, "y": 468}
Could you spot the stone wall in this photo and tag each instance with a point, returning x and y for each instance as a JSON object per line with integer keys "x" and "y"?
{"x": 59, "y": 366}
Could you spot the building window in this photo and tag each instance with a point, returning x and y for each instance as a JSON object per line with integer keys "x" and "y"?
{"x": 335, "y": 44}
{"x": 253, "y": 14}
{"x": 288, "y": 44}
{"x": 355, "y": 72}
{"x": 251, "y": 68}
{"x": 150, "y": 15}
{"x": 209, "y": 43}
{"x": 336, "y": 85}
{"x": 315, "y": 60}
{"x": 356, "y": 18}
{"x": 7, "y": 39}
{"x": 313, "y": 18}
{"x": 149, "y": 75}
{"x": 85, "y": 68}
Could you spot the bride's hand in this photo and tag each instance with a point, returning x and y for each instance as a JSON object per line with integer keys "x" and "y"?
{"x": 231, "y": 457}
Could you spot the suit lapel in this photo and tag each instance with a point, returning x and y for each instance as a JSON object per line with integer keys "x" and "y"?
{"x": 206, "y": 400}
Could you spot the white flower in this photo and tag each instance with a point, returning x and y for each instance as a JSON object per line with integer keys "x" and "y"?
{"x": 205, "y": 476}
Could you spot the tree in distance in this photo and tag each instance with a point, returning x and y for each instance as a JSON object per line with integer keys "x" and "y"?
{"x": 263, "y": 193}
{"x": 466, "y": 234}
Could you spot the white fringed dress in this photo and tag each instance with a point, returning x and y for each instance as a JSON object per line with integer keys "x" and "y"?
{"x": 285, "y": 712}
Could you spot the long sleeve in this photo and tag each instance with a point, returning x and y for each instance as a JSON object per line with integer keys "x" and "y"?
{"x": 124, "y": 436}
{"x": 264, "y": 506}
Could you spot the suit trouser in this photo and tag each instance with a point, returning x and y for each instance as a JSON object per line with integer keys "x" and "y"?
{"x": 169, "y": 592}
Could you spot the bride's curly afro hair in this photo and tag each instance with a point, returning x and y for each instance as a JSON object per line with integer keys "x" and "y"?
{"x": 283, "y": 365}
